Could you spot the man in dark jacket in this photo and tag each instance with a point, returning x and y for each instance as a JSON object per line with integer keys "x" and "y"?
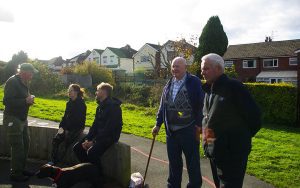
{"x": 231, "y": 118}
{"x": 181, "y": 112}
{"x": 106, "y": 128}
{"x": 17, "y": 100}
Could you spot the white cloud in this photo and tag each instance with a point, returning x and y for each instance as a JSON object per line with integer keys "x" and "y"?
{"x": 50, "y": 28}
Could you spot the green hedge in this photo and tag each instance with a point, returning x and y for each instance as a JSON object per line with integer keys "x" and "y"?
{"x": 278, "y": 102}
{"x": 136, "y": 94}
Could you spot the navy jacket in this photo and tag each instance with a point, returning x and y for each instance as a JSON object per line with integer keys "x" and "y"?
{"x": 196, "y": 96}
{"x": 108, "y": 123}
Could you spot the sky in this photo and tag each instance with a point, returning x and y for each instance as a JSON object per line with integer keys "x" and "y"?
{"x": 50, "y": 28}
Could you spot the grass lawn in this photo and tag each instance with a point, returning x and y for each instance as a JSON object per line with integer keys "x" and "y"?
{"x": 275, "y": 156}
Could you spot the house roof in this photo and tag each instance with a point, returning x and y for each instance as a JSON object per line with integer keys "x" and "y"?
{"x": 117, "y": 51}
{"x": 183, "y": 41}
{"x": 57, "y": 61}
{"x": 262, "y": 49}
{"x": 124, "y": 52}
{"x": 157, "y": 47}
{"x": 99, "y": 51}
{"x": 277, "y": 74}
{"x": 81, "y": 57}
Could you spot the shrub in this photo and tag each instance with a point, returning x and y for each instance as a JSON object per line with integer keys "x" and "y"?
{"x": 136, "y": 94}
{"x": 277, "y": 102}
{"x": 67, "y": 70}
{"x": 155, "y": 94}
{"x": 45, "y": 82}
{"x": 99, "y": 74}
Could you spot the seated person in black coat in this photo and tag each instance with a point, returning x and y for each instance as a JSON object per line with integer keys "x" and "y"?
{"x": 71, "y": 125}
{"x": 106, "y": 128}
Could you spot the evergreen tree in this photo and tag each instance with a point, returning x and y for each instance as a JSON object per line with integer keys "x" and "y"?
{"x": 213, "y": 39}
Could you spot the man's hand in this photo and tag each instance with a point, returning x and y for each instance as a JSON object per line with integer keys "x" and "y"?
{"x": 198, "y": 133}
{"x": 155, "y": 130}
{"x": 30, "y": 100}
{"x": 87, "y": 144}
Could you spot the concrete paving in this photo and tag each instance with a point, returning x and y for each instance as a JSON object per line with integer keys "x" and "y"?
{"x": 140, "y": 147}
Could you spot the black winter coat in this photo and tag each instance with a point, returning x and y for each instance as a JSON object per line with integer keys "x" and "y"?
{"x": 232, "y": 117}
{"x": 75, "y": 115}
{"x": 108, "y": 121}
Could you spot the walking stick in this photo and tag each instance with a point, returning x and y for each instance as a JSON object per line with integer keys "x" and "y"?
{"x": 149, "y": 159}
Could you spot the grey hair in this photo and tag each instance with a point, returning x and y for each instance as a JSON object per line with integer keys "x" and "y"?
{"x": 215, "y": 59}
{"x": 181, "y": 59}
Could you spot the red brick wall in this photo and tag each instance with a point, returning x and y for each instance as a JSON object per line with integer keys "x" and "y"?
{"x": 283, "y": 64}
{"x": 249, "y": 74}
{"x": 246, "y": 74}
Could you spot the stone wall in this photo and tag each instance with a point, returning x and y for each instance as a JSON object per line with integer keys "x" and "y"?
{"x": 116, "y": 161}
{"x": 83, "y": 81}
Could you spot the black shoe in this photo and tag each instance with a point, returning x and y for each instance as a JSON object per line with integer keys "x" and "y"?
{"x": 20, "y": 178}
{"x": 51, "y": 163}
{"x": 28, "y": 173}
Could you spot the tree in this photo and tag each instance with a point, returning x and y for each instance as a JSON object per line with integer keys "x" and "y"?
{"x": 181, "y": 48}
{"x": 213, "y": 39}
{"x": 230, "y": 71}
{"x": 12, "y": 66}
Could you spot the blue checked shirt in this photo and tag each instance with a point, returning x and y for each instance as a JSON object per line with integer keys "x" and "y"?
{"x": 176, "y": 84}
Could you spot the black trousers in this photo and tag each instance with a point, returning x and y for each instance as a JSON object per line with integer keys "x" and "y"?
{"x": 229, "y": 174}
{"x": 184, "y": 141}
{"x": 94, "y": 153}
{"x": 61, "y": 142}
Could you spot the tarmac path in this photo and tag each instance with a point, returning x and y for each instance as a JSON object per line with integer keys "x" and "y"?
{"x": 158, "y": 168}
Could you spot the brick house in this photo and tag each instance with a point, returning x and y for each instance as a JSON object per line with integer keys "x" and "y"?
{"x": 270, "y": 61}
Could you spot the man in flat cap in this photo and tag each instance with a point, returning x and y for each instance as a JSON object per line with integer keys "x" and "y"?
{"x": 17, "y": 100}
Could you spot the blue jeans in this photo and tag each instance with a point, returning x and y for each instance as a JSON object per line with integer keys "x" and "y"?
{"x": 184, "y": 140}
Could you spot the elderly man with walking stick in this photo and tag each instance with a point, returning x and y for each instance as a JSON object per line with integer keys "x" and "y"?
{"x": 181, "y": 112}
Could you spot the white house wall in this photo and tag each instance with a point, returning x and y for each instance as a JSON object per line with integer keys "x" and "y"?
{"x": 126, "y": 64}
{"x": 146, "y": 50}
{"x": 94, "y": 55}
{"x": 112, "y": 58}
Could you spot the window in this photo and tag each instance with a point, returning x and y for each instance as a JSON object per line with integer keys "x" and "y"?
{"x": 270, "y": 63}
{"x": 104, "y": 59}
{"x": 275, "y": 80}
{"x": 112, "y": 58}
{"x": 228, "y": 63}
{"x": 293, "y": 61}
{"x": 251, "y": 63}
{"x": 145, "y": 58}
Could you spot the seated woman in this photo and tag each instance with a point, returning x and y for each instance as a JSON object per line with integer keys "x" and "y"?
{"x": 71, "y": 125}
